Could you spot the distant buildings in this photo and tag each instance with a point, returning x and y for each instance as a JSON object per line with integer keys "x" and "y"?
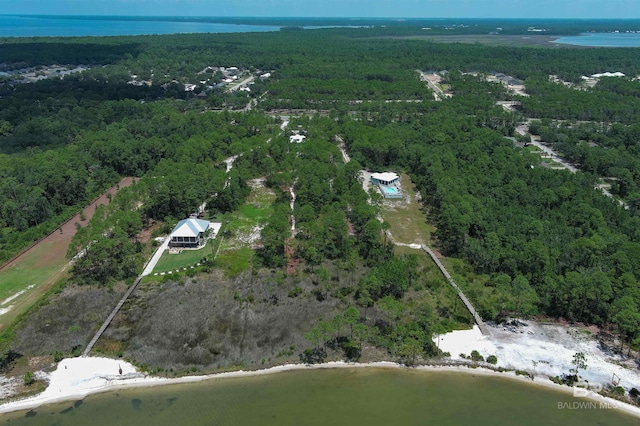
{"x": 608, "y": 74}
{"x": 297, "y": 138}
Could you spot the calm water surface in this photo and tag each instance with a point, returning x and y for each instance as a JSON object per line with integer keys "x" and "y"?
{"x": 329, "y": 397}
{"x": 603, "y": 40}
{"x": 30, "y": 26}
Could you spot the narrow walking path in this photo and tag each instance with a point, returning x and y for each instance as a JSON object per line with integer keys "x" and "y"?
{"x": 111, "y": 316}
{"x": 481, "y": 325}
{"x": 155, "y": 258}
{"x": 343, "y": 149}
{"x": 292, "y": 205}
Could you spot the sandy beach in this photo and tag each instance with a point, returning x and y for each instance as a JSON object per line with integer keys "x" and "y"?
{"x": 76, "y": 378}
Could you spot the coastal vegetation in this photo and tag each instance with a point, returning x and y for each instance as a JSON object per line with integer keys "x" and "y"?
{"x": 318, "y": 278}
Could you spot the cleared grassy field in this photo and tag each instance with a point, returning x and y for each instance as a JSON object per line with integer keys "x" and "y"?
{"x": 31, "y": 273}
{"x": 243, "y": 228}
{"x": 407, "y": 220}
{"x": 33, "y": 269}
{"x": 234, "y": 261}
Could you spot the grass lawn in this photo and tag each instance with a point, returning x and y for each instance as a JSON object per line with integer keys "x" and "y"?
{"x": 255, "y": 211}
{"x": 171, "y": 262}
{"x": 408, "y": 222}
{"x": 234, "y": 261}
{"x": 33, "y": 271}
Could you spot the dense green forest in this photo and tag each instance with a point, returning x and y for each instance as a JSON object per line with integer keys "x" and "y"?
{"x": 547, "y": 241}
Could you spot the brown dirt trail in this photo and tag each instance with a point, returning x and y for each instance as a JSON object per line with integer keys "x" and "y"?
{"x": 62, "y": 236}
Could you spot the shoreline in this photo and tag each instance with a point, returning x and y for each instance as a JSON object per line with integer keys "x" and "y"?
{"x": 78, "y": 386}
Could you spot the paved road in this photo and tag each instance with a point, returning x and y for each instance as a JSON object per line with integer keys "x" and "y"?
{"x": 437, "y": 92}
{"x": 241, "y": 83}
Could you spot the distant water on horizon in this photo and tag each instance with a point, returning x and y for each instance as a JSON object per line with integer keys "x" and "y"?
{"x": 602, "y": 40}
{"x": 75, "y": 26}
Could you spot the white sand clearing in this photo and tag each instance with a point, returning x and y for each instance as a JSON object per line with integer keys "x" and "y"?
{"x": 545, "y": 350}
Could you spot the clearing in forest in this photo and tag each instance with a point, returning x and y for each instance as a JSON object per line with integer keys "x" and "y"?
{"x": 28, "y": 276}
{"x": 409, "y": 226}
{"x": 243, "y": 227}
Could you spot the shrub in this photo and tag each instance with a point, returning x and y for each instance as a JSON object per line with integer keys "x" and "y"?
{"x": 475, "y": 355}
{"x": 295, "y": 292}
{"x": 492, "y": 359}
{"x": 29, "y": 378}
{"x": 524, "y": 373}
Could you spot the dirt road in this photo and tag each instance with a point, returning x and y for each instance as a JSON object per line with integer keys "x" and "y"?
{"x": 32, "y": 272}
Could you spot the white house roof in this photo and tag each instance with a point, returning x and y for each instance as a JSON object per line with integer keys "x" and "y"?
{"x": 385, "y": 177}
{"x": 190, "y": 228}
{"x": 608, "y": 74}
{"x": 297, "y": 138}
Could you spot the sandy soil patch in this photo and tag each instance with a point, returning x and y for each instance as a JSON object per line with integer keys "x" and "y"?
{"x": 545, "y": 350}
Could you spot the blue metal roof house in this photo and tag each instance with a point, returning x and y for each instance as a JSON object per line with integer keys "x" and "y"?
{"x": 189, "y": 233}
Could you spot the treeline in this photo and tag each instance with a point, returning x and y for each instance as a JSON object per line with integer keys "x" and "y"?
{"x": 173, "y": 150}
{"x": 336, "y": 223}
{"x": 17, "y": 53}
{"x": 528, "y": 227}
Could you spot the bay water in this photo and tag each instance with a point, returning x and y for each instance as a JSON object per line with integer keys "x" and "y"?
{"x": 369, "y": 396}
{"x": 602, "y": 40}
{"x": 54, "y": 26}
